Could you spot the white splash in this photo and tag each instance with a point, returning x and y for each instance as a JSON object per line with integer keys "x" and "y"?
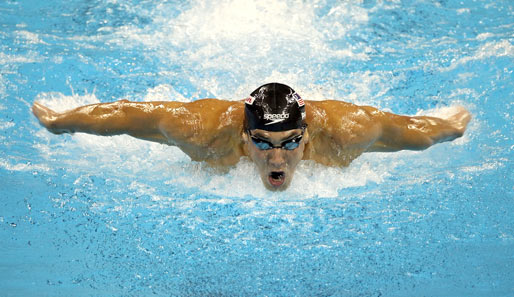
{"x": 6, "y": 125}
{"x": 484, "y": 36}
{"x": 30, "y": 57}
{"x": 60, "y": 102}
{"x": 482, "y": 167}
{"x": 310, "y": 180}
{"x": 26, "y": 166}
{"x": 29, "y": 37}
{"x": 491, "y": 49}
{"x": 128, "y": 158}
{"x": 267, "y": 37}
{"x": 369, "y": 86}
{"x": 440, "y": 112}
{"x": 3, "y": 90}
{"x": 243, "y": 38}
{"x": 164, "y": 92}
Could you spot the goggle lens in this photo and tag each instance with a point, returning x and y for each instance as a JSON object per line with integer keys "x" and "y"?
{"x": 289, "y": 145}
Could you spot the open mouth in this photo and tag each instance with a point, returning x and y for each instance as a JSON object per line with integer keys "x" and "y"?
{"x": 277, "y": 178}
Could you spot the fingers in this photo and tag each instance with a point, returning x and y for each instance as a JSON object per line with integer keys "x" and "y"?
{"x": 41, "y": 112}
{"x": 460, "y": 119}
{"x": 45, "y": 115}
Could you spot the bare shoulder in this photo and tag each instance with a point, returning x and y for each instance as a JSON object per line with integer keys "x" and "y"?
{"x": 336, "y": 117}
{"x": 204, "y": 116}
{"x": 339, "y": 131}
{"x": 207, "y": 129}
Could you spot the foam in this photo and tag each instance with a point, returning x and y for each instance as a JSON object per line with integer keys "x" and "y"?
{"x": 370, "y": 87}
{"x": 60, "y": 102}
{"x": 263, "y": 33}
{"x": 482, "y": 167}
{"x": 105, "y": 151}
{"x": 22, "y": 166}
{"x": 140, "y": 161}
{"x": 484, "y": 36}
{"x": 31, "y": 57}
{"x": 491, "y": 49}
{"x": 441, "y": 112}
{"x": 29, "y": 37}
{"x": 6, "y": 125}
{"x": 3, "y": 90}
{"x": 267, "y": 36}
{"x": 164, "y": 92}
{"x": 310, "y": 180}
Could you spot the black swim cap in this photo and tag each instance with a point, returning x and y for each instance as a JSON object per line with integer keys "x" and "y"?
{"x": 274, "y": 107}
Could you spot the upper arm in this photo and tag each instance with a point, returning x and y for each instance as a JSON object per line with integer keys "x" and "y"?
{"x": 138, "y": 119}
{"x": 340, "y": 131}
{"x": 206, "y": 130}
{"x": 192, "y": 124}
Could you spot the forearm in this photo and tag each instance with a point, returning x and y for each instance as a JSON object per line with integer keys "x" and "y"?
{"x": 100, "y": 119}
{"x": 419, "y": 132}
{"x": 138, "y": 119}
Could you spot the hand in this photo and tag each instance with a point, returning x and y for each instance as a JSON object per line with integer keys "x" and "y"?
{"x": 460, "y": 119}
{"x": 46, "y": 117}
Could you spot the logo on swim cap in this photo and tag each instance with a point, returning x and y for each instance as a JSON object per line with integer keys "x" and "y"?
{"x": 274, "y": 107}
{"x": 276, "y": 116}
{"x": 249, "y": 100}
{"x": 299, "y": 99}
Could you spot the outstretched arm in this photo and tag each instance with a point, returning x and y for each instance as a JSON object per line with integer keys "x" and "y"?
{"x": 417, "y": 132}
{"x": 207, "y": 130}
{"x": 138, "y": 119}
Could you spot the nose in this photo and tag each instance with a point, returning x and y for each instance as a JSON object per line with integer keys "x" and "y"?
{"x": 276, "y": 158}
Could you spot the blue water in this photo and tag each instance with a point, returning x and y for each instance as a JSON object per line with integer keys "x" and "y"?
{"x": 84, "y": 215}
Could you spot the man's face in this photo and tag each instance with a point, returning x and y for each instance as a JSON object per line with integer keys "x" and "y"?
{"x": 277, "y": 164}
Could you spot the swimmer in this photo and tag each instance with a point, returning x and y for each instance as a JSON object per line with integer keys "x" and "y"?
{"x": 274, "y": 127}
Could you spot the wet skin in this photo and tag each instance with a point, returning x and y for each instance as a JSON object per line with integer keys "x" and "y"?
{"x": 277, "y": 165}
{"x": 211, "y": 131}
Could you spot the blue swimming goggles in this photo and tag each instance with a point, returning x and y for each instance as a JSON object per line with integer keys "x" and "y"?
{"x": 289, "y": 144}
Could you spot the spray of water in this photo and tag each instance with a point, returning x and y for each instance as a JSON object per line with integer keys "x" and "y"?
{"x": 242, "y": 44}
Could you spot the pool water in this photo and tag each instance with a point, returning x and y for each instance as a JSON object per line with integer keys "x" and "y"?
{"x": 84, "y": 215}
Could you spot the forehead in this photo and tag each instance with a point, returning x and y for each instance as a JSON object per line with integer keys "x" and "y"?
{"x": 279, "y": 135}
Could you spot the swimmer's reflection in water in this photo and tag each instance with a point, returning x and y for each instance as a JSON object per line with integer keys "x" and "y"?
{"x": 274, "y": 127}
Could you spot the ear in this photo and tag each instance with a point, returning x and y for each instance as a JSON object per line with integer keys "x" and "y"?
{"x": 246, "y": 146}
{"x": 244, "y": 136}
{"x": 306, "y": 136}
